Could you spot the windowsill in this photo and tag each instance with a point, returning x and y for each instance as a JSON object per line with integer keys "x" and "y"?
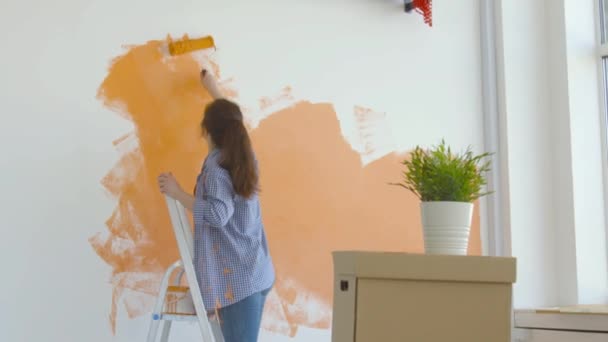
{"x": 595, "y": 309}
{"x": 584, "y": 318}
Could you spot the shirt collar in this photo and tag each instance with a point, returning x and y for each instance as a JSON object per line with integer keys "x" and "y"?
{"x": 213, "y": 154}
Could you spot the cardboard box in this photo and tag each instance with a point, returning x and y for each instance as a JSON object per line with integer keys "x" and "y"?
{"x": 400, "y": 297}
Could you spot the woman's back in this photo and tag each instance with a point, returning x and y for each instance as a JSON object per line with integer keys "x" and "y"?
{"x": 231, "y": 250}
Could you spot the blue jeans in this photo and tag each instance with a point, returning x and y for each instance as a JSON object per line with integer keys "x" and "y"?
{"x": 241, "y": 321}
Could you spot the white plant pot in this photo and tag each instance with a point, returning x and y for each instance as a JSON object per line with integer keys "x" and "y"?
{"x": 446, "y": 227}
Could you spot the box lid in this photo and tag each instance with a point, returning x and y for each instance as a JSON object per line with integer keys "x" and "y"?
{"x": 393, "y": 265}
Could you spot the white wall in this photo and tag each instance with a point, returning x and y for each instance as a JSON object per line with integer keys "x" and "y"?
{"x": 56, "y": 137}
{"x": 550, "y": 103}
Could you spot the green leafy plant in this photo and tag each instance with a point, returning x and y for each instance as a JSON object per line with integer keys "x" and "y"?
{"x": 438, "y": 174}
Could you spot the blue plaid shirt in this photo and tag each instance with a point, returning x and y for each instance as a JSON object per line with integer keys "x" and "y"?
{"x": 231, "y": 254}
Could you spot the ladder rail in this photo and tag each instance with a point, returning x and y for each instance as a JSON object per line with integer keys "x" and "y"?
{"x": 164, "y": 335}
{"x": 166, "y": 324}
{"x": 183, "y": 235}
{"x": 160, "y": 301}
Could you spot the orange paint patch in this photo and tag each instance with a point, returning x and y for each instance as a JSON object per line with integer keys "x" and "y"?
{"x": 316, "y": 196}
{"x": 284, "y": 95}
{"x": 165, "y": 103}
{"x": 229, "y": 294}
{"x": 121, "y": 139}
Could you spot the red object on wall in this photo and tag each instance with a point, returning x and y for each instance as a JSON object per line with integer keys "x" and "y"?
{"x": 425, "y": 7}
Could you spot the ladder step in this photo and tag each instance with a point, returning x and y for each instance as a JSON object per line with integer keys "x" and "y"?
{"x": 178, "y": 301}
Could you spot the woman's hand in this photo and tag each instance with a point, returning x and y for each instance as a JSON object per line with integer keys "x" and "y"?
{"x": 169, "y": 186}
{"x": 208, "y": 81}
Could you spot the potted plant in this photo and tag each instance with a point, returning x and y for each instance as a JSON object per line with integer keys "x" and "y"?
{"x": 447, "y": 183}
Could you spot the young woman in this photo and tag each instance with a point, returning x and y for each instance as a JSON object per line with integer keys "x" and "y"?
{"x": 233, "y": 264}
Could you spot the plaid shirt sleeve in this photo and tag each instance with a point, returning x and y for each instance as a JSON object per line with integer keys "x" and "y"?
{"x": 217, "y": 207}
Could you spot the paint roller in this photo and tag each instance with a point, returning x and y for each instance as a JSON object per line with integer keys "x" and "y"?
{"x": 186, "y": 45}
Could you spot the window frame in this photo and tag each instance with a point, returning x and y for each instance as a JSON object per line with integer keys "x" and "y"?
{"x": 602, "y": 57}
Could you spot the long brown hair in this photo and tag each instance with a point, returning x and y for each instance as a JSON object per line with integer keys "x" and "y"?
{"x": 223, "y": 121}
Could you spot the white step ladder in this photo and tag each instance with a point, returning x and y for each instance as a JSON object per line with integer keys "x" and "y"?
{"x": 210, "y": 330}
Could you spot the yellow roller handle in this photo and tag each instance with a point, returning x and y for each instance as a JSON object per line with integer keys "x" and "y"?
{"x": 188, "y": 45}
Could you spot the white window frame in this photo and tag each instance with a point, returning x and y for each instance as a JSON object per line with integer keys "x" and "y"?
{"x": 495, "y": 230}
{"x": 602, "y": 38}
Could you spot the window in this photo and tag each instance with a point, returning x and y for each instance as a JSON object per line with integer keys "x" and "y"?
{"x": 603, "y": 25}
{"x": 604, "y": 56}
